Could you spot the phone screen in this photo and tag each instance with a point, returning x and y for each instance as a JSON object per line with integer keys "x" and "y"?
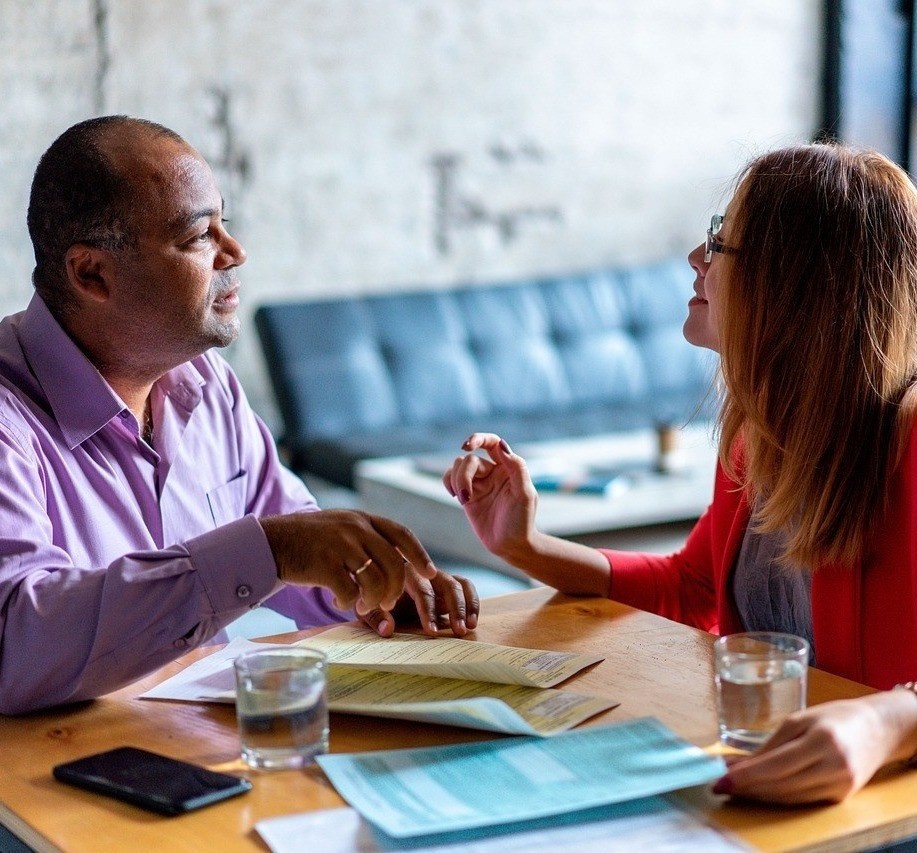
{"x": 155, "y": 782}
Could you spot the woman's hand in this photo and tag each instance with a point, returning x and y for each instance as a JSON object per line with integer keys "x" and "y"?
{"x": 500, "y": 500}
{"x": 497, "y": 495}
{"x": 827, "y": 752}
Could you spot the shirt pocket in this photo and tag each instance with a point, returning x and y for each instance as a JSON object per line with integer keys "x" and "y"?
{"x": 228, "y": 502}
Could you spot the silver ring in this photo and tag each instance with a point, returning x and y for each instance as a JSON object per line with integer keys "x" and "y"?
{"x": 364, "y": 567}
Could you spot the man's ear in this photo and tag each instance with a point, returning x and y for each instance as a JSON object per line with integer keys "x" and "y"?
{"x": 89, "y": 270}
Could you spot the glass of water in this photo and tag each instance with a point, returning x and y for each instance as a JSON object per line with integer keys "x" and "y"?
{"x": 282, "y": 707}
{"x": 760, "y": 679}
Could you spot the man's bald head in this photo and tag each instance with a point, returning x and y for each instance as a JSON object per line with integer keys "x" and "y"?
{"x": 82, "y": 193}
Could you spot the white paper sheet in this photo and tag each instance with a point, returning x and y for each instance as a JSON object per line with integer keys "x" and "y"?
{"x": 652, "y": 824}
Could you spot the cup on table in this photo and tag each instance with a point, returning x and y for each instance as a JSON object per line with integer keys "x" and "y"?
{"x": 282, "y": 707}
{"x": 760, "y": 679}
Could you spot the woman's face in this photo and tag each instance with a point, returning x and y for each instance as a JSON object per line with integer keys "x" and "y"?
{"x": 702, "y": 326}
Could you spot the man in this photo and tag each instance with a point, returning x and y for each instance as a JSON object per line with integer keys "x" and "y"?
{"x": 142, "y": 503}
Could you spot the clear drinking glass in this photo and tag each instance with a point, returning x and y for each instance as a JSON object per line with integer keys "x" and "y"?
{"x": 760, "y": 679}
{"x": 282, "y": 707}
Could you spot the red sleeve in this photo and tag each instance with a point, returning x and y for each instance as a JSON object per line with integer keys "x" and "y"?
{"x": 679, "y": 586}
{"x": 692, "y": 585}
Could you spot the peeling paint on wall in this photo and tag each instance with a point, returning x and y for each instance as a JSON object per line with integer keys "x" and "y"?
{"x": 457, "y": 210}
{"x": 231, "y": 163}
{"x": 103, "y": 54}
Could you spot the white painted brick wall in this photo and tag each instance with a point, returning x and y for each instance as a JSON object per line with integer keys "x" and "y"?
{"x": 370, "y": 144}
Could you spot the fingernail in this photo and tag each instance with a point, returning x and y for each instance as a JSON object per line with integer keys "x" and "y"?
{"x": 724, "y": 785}
{"x": 505, "y": 447}
{"x": 382, "y": 626}
{"x": 466, "y": 442}
{"x": 464, "y": 496}
{"x": 472, "y": 621}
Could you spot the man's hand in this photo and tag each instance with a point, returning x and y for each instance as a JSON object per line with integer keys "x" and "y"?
{"x": 370, "y": 564}
{"x": 444, "y": 598}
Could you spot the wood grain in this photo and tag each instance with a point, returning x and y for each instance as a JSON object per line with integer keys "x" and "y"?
{"x": 652, "y": 666}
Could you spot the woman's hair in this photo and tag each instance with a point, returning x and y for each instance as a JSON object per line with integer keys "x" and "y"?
{"x": 818, "y": 342}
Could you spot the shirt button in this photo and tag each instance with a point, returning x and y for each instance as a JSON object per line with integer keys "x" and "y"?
{"x": 243, "y": 591}
{"x": 180, "y": 643}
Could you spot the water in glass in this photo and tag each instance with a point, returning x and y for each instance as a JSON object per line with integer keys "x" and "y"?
{"x": 755, "y": 696}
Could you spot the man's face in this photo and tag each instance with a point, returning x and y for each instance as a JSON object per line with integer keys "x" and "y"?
{"x": 178, "y": 290}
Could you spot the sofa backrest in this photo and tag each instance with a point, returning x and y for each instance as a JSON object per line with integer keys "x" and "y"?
{"x": 412, "y": 366}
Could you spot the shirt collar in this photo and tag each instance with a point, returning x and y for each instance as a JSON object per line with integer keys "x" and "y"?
{"x": 81, "y": 401}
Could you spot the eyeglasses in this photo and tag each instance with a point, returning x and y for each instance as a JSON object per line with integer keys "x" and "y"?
{"x": 713, "y": 243}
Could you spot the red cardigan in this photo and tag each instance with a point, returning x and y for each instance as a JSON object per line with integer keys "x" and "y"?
{"x": 864, "y": 618}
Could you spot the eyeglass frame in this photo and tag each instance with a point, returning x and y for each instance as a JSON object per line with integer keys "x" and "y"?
{"x": 712, "y": 244}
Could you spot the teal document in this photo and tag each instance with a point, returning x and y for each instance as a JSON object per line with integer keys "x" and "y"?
{"x": 412, "y": 792}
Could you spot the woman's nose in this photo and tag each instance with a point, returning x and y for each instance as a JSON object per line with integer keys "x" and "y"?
{"x": 696, "y": 259}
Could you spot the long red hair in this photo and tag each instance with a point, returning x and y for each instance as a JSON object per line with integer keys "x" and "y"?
{"x": 818, "y": 341}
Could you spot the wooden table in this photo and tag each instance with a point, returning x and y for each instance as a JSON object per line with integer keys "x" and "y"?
{"x": 653, "y": 666}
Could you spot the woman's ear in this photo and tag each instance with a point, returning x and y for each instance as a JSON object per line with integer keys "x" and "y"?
{"x": 88, "y": 270}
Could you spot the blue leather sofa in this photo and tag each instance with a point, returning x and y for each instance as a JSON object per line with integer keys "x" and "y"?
{"x": 416, "y": 372}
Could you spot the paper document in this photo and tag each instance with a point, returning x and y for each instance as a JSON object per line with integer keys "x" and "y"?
{"x": 210, "y": 679}
{"x": 352, "y": 688}
{"x": 507, "y": 708}
{"x": 413, "y": 792}
{"x": 443, "y": 656}
{"x": 652, "y": 823}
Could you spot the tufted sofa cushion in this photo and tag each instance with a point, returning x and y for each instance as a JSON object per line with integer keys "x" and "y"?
{"x": 362, "y": 377}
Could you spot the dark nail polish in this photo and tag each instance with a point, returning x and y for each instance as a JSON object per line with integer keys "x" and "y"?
{"x": 464, "y": 497}
{"x": 724, "y": 785}
{"x": 505, "y": 447}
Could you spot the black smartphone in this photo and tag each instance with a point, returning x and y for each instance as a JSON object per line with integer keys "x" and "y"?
{"x": 155, "y": 782}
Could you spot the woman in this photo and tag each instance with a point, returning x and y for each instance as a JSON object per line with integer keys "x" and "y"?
{"x": 807, "y": 288}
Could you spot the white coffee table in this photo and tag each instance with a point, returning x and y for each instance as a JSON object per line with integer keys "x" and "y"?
{"x": 405, "y": 489}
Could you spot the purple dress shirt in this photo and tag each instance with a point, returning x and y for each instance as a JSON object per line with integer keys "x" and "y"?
{"x": 115, "y": 557}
